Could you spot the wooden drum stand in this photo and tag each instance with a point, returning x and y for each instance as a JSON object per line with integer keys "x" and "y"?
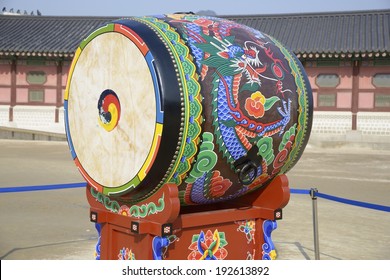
{"x": 160, "y": 228}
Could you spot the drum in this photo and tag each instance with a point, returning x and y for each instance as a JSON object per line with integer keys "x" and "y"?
{"x": 216, "y": 108}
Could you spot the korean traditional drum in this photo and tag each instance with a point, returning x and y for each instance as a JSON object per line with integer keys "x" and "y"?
{"x": 216, "y": 108}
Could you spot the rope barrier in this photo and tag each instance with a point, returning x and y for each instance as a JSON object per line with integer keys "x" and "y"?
{"x": 342, "y": 200}
{"x": 299, "y": 191}
{"x": 355, "y": 202}
{"x": 42, "y": 188}
{"x": 293, "y": 191}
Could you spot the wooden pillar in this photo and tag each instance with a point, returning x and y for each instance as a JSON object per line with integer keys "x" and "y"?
{"x": 13, "y": 89}
{"x": 355, "y": 92}
{"x": 59, "y": 90}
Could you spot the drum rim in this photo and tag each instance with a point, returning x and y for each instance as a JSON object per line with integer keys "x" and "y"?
{"x": 151, "y": 155}
{"x": 180, "y": 160}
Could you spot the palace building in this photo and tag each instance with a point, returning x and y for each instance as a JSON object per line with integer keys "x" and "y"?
{"x": 346, "y": 56}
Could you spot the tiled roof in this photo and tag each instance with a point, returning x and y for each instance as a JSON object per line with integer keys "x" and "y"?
{"x": 44, "y": 36}
{"x": 315, "y": 35}
{"x": 327, "y": 34}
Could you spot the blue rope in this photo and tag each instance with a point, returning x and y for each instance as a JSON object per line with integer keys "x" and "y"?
{"x": 293, "y": 191}
{"x": 299, "y": 191}
{"x": 344, "y": 200}
{"x": 355, "y": 202}
{"x": 42, "y": 188}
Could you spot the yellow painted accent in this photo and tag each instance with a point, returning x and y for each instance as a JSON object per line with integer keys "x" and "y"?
{"x": 216, "y": 238}
{"x": 153, "y": 149}
{"x": 203, "y": 257}
{"x": 71, "y": 69}
{"x": 273, "y": 255}
{"x": 258, "y": 96}
{"x": 215, "y": 249}
{"x": 114, "y": 118}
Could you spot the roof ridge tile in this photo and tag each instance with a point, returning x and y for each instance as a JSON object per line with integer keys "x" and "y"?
{"x": 308, "y": 33}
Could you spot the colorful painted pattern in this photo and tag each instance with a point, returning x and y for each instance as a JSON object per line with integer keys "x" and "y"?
{"x": 190, "y": 95}
{"x": 268, "y": 247}
{"x": 137, "y": 211}
{"x": 109, "y": 110}
{"x": 258, "y": 98}
{"x": 126, "y": 254}
{"x": 209, "y": 246}
{"x": 248, "y": 228}
{"x": 241, "y": 93}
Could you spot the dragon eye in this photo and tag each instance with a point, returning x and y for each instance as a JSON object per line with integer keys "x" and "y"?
{"x": 251, "y": 53}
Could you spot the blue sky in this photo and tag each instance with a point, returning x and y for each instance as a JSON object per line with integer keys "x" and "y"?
{"x": 152, "y": 7}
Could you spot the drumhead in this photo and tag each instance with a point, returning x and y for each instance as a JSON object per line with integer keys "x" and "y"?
{"x": 111, "y": 111}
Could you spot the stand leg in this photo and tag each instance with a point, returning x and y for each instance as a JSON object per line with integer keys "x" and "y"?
{"x": 97, "y": 247}
{"x": 268, "y": 246}
{"x": 158, "y": 244}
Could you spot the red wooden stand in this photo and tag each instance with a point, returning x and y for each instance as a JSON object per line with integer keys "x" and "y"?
{"x": 160, "y": 228}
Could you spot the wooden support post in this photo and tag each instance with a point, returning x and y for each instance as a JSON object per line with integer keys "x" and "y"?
{"x": 59, "y": 91}
{"x": 355, "y": 92}
{"x": 13, "y": 89}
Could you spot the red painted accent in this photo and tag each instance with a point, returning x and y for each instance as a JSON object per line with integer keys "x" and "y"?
{"x": 111, "y": 99}
{"x": 224, "y": 55}
{"x": 134, "y": 37}
{"x": 251, "y": 53}
{"x": 278, "y": 72}
{"x": 86, "y": 176}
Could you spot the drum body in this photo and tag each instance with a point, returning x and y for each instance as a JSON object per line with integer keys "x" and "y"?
{"x": 214, "y": 107}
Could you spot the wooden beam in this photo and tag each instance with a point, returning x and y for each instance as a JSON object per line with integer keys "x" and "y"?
{"x": 59, "y": 90}
{"x": 355, "y": 92}
{"x": 13, "y": 89}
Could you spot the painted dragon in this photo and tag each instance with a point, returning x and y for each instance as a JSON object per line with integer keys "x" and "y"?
{"x": 238, "y": 69}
